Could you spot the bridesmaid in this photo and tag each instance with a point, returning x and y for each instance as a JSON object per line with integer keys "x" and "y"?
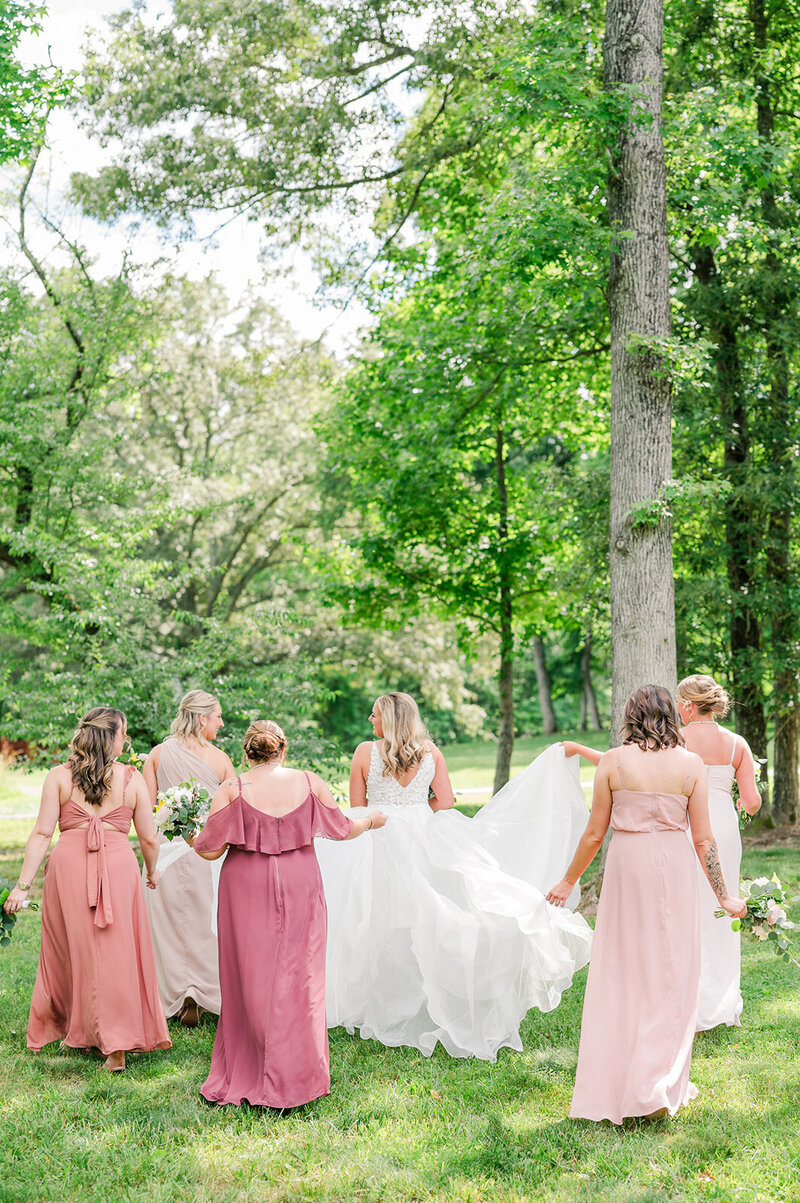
{"x": 640, "y": 1007}
{"x": 181, "y": 912}
{"x": 271, "y": 1048}
{"x": 96, "y": 982}
{"x": 726, "y": 756}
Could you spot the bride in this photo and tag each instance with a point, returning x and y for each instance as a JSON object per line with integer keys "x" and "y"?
{"x": 438, "y": 930}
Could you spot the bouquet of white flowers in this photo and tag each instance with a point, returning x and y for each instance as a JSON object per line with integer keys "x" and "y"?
{"x": 7, "y": 921}
{"x": 765, "y": 918}
{"x": 182, "y": 810}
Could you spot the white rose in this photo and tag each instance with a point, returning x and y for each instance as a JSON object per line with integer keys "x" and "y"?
{"x": 775, "y": 915}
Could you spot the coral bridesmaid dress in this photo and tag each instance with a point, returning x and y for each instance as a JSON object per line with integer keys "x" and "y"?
{"x": 641, "y": 999}
{"x": 96, "y": 982}
{"x": 271, "y": 1047}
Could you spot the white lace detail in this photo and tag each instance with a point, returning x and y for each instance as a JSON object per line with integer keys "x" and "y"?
{"x": 387, "y": 791}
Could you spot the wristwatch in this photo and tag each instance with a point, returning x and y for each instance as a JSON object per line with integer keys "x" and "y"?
{"x": 23, "y": 885}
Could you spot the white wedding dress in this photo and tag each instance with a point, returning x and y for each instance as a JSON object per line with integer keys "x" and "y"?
{"x": 720, "y": 946}
{"x": 438, "y": 929}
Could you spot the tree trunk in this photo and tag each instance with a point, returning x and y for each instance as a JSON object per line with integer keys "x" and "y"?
{"x": 780, "y": 440}
{"x": 505, "y": 676}
{"x": 640, "y": 561}
{"x": 589, "y": 711}
{"x": 543, "y": 685}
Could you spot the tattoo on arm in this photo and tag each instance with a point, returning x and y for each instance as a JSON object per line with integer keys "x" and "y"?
{"x": 714, "y": 871}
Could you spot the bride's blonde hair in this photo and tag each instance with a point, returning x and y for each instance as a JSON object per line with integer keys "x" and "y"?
{"x": 405, "y": 736}
{"x": 195, "y": 706}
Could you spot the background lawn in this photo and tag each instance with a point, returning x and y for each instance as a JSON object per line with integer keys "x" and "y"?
{"x": 398, "y": 1126}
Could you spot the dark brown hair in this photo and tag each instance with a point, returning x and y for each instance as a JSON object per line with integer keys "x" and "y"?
{"x": 650, "y": 719}
{"x": 91, "y": 759}
{"x": 263, "y": 741}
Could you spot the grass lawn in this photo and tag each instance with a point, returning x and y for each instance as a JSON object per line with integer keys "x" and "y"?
{"x": 397, "y": 1126}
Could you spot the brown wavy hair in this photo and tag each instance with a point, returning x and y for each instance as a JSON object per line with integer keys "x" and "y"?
{"x": 264, "y": 741}
{"x": 650, "y": 719}
{"x": 91, "y": 759}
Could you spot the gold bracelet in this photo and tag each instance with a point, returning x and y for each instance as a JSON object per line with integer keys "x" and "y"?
{"x": 369, "y": 828}
{"x": 23, "y": 885}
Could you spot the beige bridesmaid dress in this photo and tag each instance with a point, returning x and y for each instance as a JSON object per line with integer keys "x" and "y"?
{"x": 181, "y": 909}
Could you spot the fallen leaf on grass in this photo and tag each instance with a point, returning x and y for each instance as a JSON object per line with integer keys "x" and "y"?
{"x": 705, "y": 1177}
{"x": 435, "y": 1095}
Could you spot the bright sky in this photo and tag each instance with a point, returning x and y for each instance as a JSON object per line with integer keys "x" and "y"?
{"x": 232, "y": 255}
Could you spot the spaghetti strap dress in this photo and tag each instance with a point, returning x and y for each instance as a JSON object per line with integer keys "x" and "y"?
{"x": 641, "y": 998}
{"x": 96, "y": 981}
{"x": 271, "y": 1047}
{"x": 720, "y": 946}
{"x": 180, "y": 910}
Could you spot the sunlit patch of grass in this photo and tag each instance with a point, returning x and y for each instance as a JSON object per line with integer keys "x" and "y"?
{"x": 397, "y": 1126}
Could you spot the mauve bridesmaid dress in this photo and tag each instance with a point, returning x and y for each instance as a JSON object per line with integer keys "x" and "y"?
{"x": 96, "y": 982}
{"x": 271, "y": 1047}
{"x": 640, "y": 1009}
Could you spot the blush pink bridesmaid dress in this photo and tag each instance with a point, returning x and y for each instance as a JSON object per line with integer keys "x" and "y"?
{"x": 96, "y": 982}
{"x": 271, "y": 1047}
{"x": 640, "y": 1009}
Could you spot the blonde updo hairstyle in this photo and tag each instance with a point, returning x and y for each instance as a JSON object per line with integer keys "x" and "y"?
{"x": 91, "y": 758}
{"x": 708, "y": 696}
{"x": 194, "y": 707}
{"x": 405, "y": 736}
{"x": 264, "y": 741}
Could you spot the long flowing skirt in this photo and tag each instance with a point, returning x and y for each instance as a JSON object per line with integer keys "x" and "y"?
{"x": 640, "y": 1007}
{"x": 181, "y": 913}
{"x": 720, "y": 946}
{"x": 271, "y": 1047}
{"x": 95, "y": 987}
{"x": 430, "y": 939}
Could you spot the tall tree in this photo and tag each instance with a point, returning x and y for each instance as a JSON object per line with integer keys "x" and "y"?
{"x": 640, "y": 561}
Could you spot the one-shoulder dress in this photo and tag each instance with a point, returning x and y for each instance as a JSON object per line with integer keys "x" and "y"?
{"x": 641, "y": 998}
{"x": 271, "y": 1047}
{"x": 180, "y": 910}
{"x": 96, "y": 982}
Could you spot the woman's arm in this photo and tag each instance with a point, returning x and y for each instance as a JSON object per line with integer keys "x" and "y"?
{"x": 40, "y": 837}
{"x": 749, "y": 797}
{"x": 706, "y": 846}
{"x": 358, "y": 775}
{"x": 592, "y": 838}
{"x": 222, "y": 798}
{"x": 360, "y": 823}
{"x": 573, "y": 749}
{"x": 149, "y": 773}
{"x": 145, "y": 826}
{"x": 440, "y": 786}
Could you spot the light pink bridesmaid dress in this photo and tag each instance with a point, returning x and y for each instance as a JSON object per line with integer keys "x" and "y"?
{"x": 640, "y": 1008}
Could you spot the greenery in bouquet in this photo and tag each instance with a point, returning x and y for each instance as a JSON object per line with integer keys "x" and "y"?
{"x": 182, "y": 810}
{"x": 766, "y": 918}
{"x": 7, "y": 921}
{"x": 129, "y": 756}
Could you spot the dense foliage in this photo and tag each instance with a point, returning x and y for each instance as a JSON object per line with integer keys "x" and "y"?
{"x": 191, "y": 491}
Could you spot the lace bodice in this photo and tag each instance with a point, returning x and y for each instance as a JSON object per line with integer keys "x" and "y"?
{"x": 383, "y": 791}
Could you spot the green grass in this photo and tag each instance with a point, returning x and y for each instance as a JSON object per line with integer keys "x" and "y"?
{"x": 400, "y": 1127}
